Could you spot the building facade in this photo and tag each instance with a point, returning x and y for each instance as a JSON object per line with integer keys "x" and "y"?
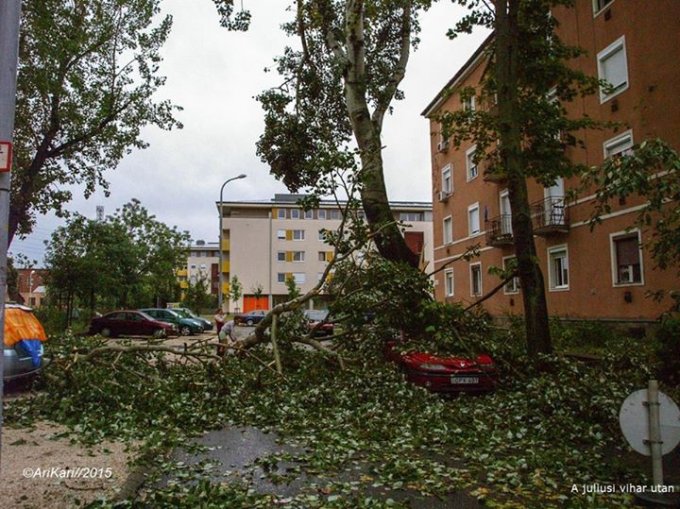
{"x": 202, "y": 264}
{"x": 600, "y": 274}
{"x": 267, "y": 242}
{"x": 31, "y": 286}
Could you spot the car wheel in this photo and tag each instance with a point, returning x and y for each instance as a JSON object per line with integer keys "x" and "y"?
{"x": 185, "y": 330}
{"x": 106, "y": 332}
{"x": 159, "y": 333}
{"x": 249, "y": 323}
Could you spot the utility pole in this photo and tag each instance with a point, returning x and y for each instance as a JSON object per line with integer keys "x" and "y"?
{"x": 10, "y": 16}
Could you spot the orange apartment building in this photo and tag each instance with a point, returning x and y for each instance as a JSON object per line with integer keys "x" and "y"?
{"x": 599, "y": 274}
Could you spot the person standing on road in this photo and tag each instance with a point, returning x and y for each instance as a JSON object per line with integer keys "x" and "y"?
{"x": 219, "y": 320}
{"x": 226, "y": 337}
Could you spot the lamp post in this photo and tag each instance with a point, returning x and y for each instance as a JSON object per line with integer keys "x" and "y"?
{"x": 219, "y": 213}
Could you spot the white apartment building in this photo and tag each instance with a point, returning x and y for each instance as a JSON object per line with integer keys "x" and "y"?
{"x": 202, "y": 263}
{"x": 266, "y": 242}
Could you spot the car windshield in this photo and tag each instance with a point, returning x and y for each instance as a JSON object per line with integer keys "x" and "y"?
{"x": 316, "y": 315}
{"x": 183, "y": 313}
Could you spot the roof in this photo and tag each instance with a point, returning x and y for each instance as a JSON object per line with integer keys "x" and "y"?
{"x": 291, "y": 200}
{"x": 458, "y": 77}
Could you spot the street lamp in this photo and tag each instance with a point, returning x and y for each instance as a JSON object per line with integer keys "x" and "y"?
{"x": 219, "y": 290}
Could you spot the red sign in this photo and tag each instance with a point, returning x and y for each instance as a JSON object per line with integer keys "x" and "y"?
{"x": 5, "y": 156}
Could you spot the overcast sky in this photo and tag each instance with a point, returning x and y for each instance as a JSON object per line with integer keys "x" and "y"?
{"x": 215, "y": 75}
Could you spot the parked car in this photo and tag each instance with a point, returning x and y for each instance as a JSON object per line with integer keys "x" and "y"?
{"x": 449, "y": 374}
{"x": 188, "y": 313}
{"x": 250, "y": 318}
{"x": 23, "y": 343}
{"x": 131, "y": 323}
{"x": 318, "y": 322}
{"x": 185, "y": 326}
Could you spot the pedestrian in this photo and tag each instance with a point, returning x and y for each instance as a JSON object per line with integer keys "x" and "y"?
{"x": 226, "y": 337}
{"x": 219, "y": 319}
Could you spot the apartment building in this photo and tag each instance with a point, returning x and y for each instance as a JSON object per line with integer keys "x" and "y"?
{"x": 599, "y": 274}
{"x": 267, "y": 242}
{"x": 202, "y": 264}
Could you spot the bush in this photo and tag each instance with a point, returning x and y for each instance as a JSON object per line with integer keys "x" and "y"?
{"x": 668, "y": 351}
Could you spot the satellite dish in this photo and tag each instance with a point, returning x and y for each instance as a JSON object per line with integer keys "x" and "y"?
{"x": 634, "y": 420}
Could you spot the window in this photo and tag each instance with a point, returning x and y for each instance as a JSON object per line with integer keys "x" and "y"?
{"x": 476, "y": 279}
{"x": 325, "y": 256}
{"x": 448, "y": 230}
{"x": 309, "y": 214}
{"x": 512, "y": 286}
{"x": 281, "y": 277}
{"x": 473, "y": 219}
{"x": 281, "y": 214}
{"x": 294, "y": 213}
{"x": 598, "y": 5}
{"x": 299, "y": 278}
{"x": 298, "y": 235}
{"x": 626, "y": 259}
{"x": 621, "y": 145}
{"x": 469, "y": 103}
{"x": 447, "y": 180}
{"x": 281, "y": 234}
{"x": 321, "y": 214}
{"x": 298, "y": 256}
{"x": 322, "y": 235}
{"x": 612, "y": 66}
{"x": 448, "y": 282}
{"x": 410, "y": 216}
{"x": 334, "y": 214}
{"x": 558, "y": 268}
{"x": 470, "y": 163}
{"x": 281, "y": 256}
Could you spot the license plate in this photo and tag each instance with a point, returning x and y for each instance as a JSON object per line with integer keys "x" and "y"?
{"x": 464, "y": 380}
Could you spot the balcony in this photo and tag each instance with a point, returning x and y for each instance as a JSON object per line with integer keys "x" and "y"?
{"x": 550, "y": 216}
{"x": 499, "y": 231}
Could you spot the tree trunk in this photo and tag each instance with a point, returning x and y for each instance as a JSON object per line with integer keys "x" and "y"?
{"x": 530, "y": 275}
{"x": 367, "y": 131}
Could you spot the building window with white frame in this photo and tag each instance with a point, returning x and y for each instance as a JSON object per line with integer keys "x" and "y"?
{"x": 470, "y": 103}
{"x": 299, "y": 278}
{"x": 322, "y": 235}
{"x": 321, "y": 214}
{"x": 470, "y": 164}
{"x": 448, "y": 230}
{"x": 281, "y": 277}
{"x": 294, "y": 213}
{"x": 281, "y": 234}
{"x": 621, "y": 145}
{"x": 626, "y": 258}
{"x": 612, "y": 66}
{"x": 476, "y": 279}
{"x": 558, "y": 268}
{"x": 598, "y": 5}
{"x": 298, "y": 256}
{"x": 298, "y": 235}
{"x": 473, "y": 219}
{"x": 334, "y": 214}
{"x": 281, "y": 214}
{"x": 309, "y": 214}
{"x": 447, "y": 180}
{"x": 512, "y": 286}
{"x": 448, "y": 282}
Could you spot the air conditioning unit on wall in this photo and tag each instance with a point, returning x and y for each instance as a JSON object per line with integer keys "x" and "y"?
{"x": 444, "y": 195}
{"x": 443, "y": 146}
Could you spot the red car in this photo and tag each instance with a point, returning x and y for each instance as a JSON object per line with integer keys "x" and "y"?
{"x": 317, "y": 322}
{"x": 130, "y": 323}
{"x": 445, "y": 374}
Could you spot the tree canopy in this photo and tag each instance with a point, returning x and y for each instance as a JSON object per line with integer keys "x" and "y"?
{"x": 88, "y": 71}
{"x": 128, "y": 260}
{"x": 339, "y": 83}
